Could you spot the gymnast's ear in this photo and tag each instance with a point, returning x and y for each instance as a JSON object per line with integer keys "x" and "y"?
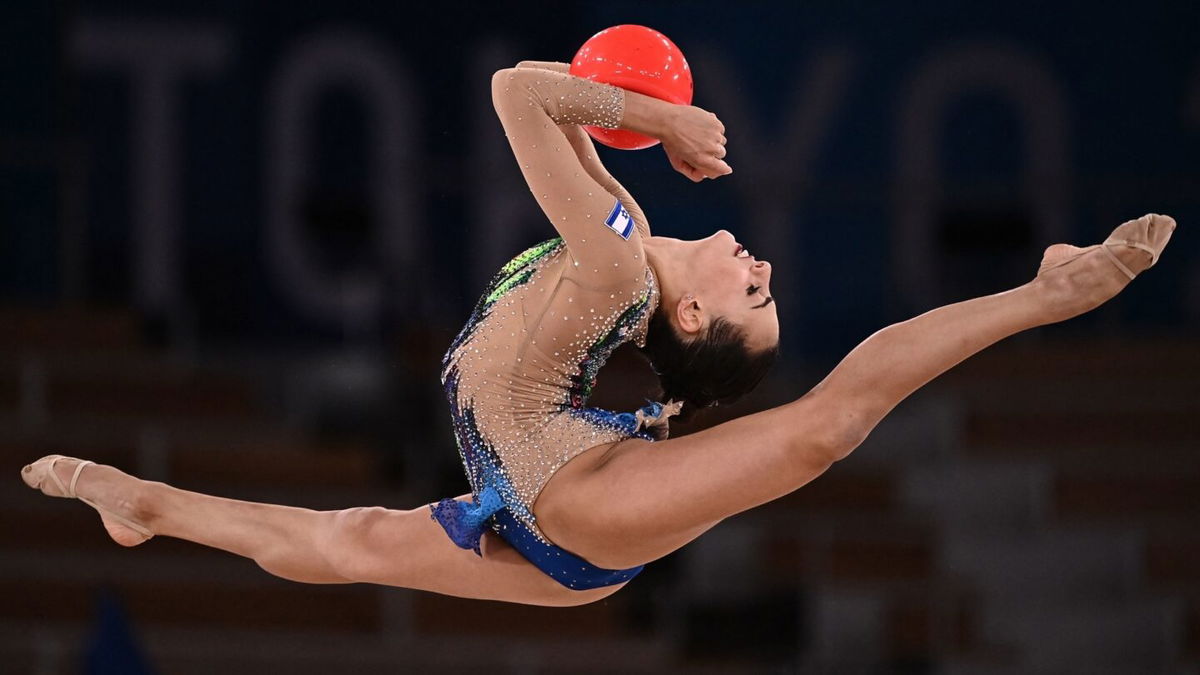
{"x": 689, "y": 316}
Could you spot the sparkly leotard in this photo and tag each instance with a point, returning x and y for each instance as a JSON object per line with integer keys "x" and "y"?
{"x": 519, "y": 373}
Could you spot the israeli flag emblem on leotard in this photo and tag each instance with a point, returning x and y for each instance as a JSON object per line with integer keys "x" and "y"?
{"x": 618, "y": 221}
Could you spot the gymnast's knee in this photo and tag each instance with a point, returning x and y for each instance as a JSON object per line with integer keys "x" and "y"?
{"x": 842, "y": 423}
{"x": 841, "y": 445}
{"x": 344, "y": 544}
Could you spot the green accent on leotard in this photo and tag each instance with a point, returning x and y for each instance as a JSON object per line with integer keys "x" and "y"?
{"x": 516, "y": 271}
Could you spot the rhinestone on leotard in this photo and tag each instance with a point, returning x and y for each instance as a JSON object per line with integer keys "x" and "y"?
{"x": 518, "y": 394}
{"x": 517, "y": 424}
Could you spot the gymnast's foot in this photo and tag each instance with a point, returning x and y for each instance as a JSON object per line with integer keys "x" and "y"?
{"x": 112, "y": 492}
{"x": 1078, "y": 280}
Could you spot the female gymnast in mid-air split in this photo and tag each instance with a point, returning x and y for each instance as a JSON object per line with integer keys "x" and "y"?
{"x": 568, "y": 502}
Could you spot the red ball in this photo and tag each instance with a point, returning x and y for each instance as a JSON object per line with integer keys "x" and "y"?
{"x": 639, "y": 59}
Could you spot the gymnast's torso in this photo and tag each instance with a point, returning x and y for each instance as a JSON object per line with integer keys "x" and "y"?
{"x": 519, "y": 374}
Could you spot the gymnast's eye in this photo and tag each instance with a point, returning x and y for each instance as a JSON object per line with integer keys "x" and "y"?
{"x": 752, "y": 289}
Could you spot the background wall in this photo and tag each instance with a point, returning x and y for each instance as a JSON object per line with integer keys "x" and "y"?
{"x": 237, "y": 239}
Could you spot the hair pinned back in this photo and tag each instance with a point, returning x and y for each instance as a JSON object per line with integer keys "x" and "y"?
{"x": 714, "y": 368}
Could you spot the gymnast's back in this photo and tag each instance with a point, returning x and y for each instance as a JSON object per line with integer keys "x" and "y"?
{"x": 518, "y": 375}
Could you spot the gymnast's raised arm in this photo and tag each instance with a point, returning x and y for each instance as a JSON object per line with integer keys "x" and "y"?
{"x": 585, "y": 152}
{"x": 532, "y": 103}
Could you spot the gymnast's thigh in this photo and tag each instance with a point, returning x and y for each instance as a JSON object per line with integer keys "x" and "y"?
{"x": 640, "y": 500}
{"x": 411, "y": 550}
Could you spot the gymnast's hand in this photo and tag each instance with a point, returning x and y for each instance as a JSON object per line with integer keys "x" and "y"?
{"x": 695, "y": 143}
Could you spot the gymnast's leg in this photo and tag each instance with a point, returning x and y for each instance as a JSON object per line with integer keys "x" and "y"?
{"x": 644, "y": 500}
{"x": 368, "y": 544}
{"x": 636, "y": 503}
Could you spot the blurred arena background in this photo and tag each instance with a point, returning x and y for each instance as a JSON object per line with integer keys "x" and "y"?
{"x": 237, "y": 238}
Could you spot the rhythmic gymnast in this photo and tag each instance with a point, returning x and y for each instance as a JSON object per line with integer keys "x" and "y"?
{"x": 568, "y": 502}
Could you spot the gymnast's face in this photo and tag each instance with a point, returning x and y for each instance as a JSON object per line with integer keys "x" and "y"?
{"x": 726, "y": 280}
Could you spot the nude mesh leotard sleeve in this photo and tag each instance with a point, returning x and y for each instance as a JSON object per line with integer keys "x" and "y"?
{"x": 585, "y": 151}
{"x": 524, "y": 365}
{"x": 531, "y": 104}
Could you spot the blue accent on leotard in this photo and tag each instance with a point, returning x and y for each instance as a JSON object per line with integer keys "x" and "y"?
{"x": 563, "y": 566}
{"x": 465, "y": 524}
